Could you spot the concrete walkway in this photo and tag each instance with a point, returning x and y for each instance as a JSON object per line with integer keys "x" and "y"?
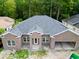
{"x": 4, "y": 54}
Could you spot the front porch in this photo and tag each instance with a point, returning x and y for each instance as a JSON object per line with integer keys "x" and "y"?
{"x": 34, "y": 42}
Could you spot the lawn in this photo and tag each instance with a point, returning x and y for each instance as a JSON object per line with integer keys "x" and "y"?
{"x": 40, "y": 53}
{"x": 1, "y": 49}
{"x": 24, "y": 54}
{"x": 21, "y": 54}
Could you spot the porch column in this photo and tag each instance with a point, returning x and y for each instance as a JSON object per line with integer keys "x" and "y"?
{"x": 77, "y": 45}
{"x": 30, "y": 43}
{"x": 52, "y": 43}
{"x": 40, "y": 42}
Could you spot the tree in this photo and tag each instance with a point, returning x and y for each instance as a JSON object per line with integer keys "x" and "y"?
{"x": 2, "y": 7}
{"x": 58, "y": 9}
{"x": 19, "y": 8}
{"x": 10, "y": 8}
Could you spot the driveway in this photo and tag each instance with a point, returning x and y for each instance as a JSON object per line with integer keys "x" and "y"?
{"x": 4, "y": 54}
{"x": 58, "y": 55}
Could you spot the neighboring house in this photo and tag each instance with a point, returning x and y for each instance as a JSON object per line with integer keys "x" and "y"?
{"x": 72, "y": 23}
{"x": 39, "y": 32}
{"x": 6, "y": 22}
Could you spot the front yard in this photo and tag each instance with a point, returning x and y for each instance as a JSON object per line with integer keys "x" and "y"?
{"x": 21, "y": 54}
{"x": 41, "y": 54}
{"x": 1, "y": 49}
{"x": 25, "y": 54}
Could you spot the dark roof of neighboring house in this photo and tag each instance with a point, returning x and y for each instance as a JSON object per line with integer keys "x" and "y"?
{"x": 73, "y": 20}
{"x": 43, "y": 24}
{"x": 77, "y": 25}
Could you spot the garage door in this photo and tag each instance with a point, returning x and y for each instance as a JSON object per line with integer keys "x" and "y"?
{"x": 64, "y": 45}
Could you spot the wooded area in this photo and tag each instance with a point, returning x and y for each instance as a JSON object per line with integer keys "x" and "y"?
{"x": 22, "y": 9}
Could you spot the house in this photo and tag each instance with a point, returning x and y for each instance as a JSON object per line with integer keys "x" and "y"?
{"x": 6, "y": 22}
{"x": 38, "y": 32}
{"x": 72, "y": 23}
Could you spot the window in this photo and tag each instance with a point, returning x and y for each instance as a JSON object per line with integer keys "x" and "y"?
{"x": 11, "y": 43}
{"x": 45, "y": 40}
{"x": 28, "y": 40}
{"x": 25, "y": 39}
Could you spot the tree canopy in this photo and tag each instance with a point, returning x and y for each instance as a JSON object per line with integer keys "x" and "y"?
{"x": 22, "y": 9}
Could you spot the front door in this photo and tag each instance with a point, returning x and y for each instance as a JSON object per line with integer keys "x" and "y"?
{"x": 36, "y": 41}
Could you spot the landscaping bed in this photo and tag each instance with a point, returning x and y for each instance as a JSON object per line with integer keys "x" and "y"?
{"x": 24, "y": 54}
{"x": 21, "y": 54}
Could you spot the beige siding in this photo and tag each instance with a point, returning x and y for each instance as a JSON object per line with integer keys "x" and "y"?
{"x": 11, "y": 37}
{"x": 63, "y": 37}
{"x": 66, "y": 37}
{"x": 36, "y": 35}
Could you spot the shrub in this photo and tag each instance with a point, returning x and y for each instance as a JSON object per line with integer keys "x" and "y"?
{"x": 22, "y": 54}
{"x": 2, "y": 30}
{"x": 1, "y": 49}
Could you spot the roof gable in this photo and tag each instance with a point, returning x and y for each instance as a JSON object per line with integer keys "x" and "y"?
{"x": 8, "y": 34}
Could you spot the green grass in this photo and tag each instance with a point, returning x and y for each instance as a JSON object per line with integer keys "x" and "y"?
{"x": 21, "y": 54}
{"x": 40, "y": 53}
{"x": 1, "y": 49}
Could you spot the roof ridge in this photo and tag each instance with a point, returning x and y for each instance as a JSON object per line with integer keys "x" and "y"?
{"x": 36, "y": 28}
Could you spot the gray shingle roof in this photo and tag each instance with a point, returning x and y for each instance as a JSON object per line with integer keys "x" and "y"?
{"x": 74, "y": 19}
{"x": 36, "y": 28}
{"x": 44, "y": 24}
{"x": 16, "y": 32}
{"x": 77, "y": 25}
